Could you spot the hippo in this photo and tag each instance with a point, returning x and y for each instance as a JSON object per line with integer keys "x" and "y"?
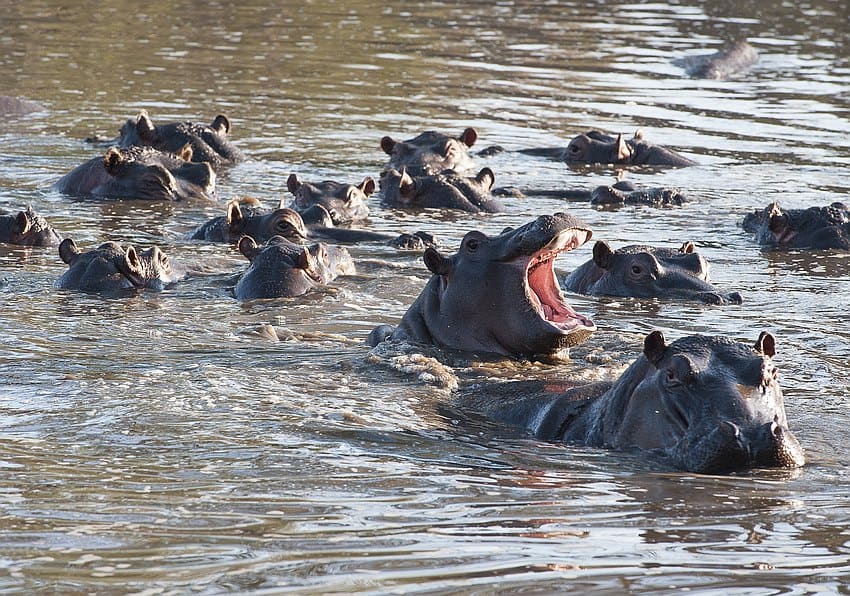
{"x": 280, "y": 268}
{"x": 140, "y": 173}
{"x": 113, "y": 268}
{"x": 431, "y": 152}
{"x": 705, "y": 404}
{"x": 27, "y": 228}
{"x": 498, "y": 294}
{"x": 597, "y": 147}
{"x": 624, "y": 192}
{"x": 446, "y": 190}
{"x": 18, "y": 106}
{"x": 345, "y": 203}
{"x": 732, "y": 59}
{"x": 647, "y": 272}
{"x": 813, "y": 228}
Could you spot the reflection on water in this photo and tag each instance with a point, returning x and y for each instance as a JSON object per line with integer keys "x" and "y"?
{"x": 160, "y": 443}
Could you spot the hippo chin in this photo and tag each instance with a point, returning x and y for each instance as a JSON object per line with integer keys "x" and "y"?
{"x": 27, "y": 228}
{"x": 345, "y": 203}
{"x": 446, "y": 190}
{"x": 498, "y": 294}
{"x": 431, "y": 152}
{"x": 112, "y": 268}
{"x": 647, "y": 272}
{"x": 705, "y": 404}
{"x": 816, "y": 228}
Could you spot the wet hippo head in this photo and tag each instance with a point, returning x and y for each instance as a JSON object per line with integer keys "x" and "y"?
{"x": 156, "y": 177}
{"x": 593, "y": 147}
{"x": 280, "y": 268}
{"x": 431, "y": 152}
{"x": 815, "y": 227}
{"x": 27, "y": 228}
{"x": 345, "y": 203}
{"x": 710, "y": 404}
{"x": 110, "y": 268}
{"x": 446, "y": 190}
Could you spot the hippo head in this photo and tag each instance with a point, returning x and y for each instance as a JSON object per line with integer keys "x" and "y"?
{"x": 262, "y": 226}
{"x": 431, "y": 152}
{"x": 596, "y": 147}
{"x": 110, "y": 268}
{"x": 815, "y": 227}
{"x": 346, "y": 203}
{"x": 710, "y": 404}
{"x": 27, "y": 228}
{"x": 154, "y": 176}
{"x": 446, "y": 190}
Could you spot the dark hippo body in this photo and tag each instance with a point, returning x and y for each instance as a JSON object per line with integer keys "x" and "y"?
{"x": 431, "y": 152}
{"x": 597, "y": 147}
{"x": 140, "y": 173}
{"x": 280, "y": 268}
{"x": 732, "y": 59}
{"x": 18, "y": 106}
{"x": 498, "y": 294}
{"x": 706, "y": 404}
{"x": 112, "y": 268}
{"x": 27, "y": 228}
{"x": 624, "y": 192}
{"x": 446, "y": 190}
{"x": 345, "y": 203}
{"x": 813, "y": 228}
{"x": 647, "y": 272}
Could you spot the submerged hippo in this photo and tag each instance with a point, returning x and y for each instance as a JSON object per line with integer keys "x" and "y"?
{"x": 111, "y": 268}
{"x": 18, "y": 106}
{"x": 706, "y": 404}
{"x": 431, "y": 152}
{"x": 814, "y": 228}
{"x": 280, "y": 268}
{"x": 140, "y": 173}
{"x": 345, "y": 203}
{"x": 597, "y": 147}
{"x": 446, "y": 190}
{"x": 498, "y": 294}
{"x": 624, "y": 192}
{"x": 27, "y": 228}
{"x": 647, "y": 272}
{"x": 731, "y": 59}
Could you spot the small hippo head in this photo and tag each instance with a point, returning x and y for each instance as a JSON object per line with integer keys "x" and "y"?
{"x": 27, "y": 228}
{"x": 346, "y": 203}
{"x": 431, "y": 152}
{"x": 263, "y": 226}
{"x": 815, "y": 227}
{"x": 110, "y": 268}
{"x": 596, "y": 147}
{"x": 446, "y": 190}
{"x": 155, "y": 176}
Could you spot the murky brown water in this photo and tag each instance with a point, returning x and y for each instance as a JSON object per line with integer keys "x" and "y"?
{"x": 153, "y": 445}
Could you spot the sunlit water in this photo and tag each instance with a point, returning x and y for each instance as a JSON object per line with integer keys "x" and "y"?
{"x": 156, "y": 443}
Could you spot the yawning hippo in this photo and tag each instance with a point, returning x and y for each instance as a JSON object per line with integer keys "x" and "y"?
{"x": 431, "y": 152}
{"x": 27, "y": 228}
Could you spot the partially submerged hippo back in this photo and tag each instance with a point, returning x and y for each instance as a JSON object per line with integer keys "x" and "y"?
{"x": 598, "y": 147}
{"x": 624, "y": 192}
{"x": 111, "y": 268}
{"x": 647, "y": 272}
{"x": 813, "y": 228}
{"x": 498, "y": 294}
{"x": 446, "y": 190}
{"x": 18, "y": 106}
{"x": 731, "y": 59}
{"x": 706, "y": 404}
{"x": 246, "y": 217}
{"x": 27, "y": 228}
{"x": 345, "y": 203}
{"x": 280, "y": 268}
{"x": 431, "y": 152}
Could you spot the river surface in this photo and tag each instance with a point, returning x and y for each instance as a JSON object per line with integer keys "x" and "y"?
{"x": 158, "y": 444}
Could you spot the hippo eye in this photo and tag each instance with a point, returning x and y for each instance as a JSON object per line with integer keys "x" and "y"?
{"x": 573, "y": 149}
{"x": 636, "y": 270}
{"x": 472, "y": 245}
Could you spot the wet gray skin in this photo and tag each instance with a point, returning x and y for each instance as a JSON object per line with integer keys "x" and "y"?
{"x": 624, "y": 192}
{"x": 18, "y": 106}
{"x": 597, "y": 147}
{"x": 732, "y": 59}
{"x": 446, "y": 190}
{"x": 141, "y": 173}
{"x": 27, "y": 228}
{"x": 815, "y": 228}
{"x": 346, "y": 203}
{"x": 705, "y": 404}
{"x": 431, "y": 152}
{"x": 280, "y": 268}
{"x": 498, "y": 294}
{"x": 648, "y": 272}
{"x": 111, "y": 268}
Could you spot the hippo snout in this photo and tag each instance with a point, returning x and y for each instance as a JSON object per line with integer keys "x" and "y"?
{"x": 773, "y": 445}
{"x": 721, "y": 298}
{"x": 730, "y": 447}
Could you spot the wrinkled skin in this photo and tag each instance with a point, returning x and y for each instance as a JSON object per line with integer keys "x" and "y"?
{"x": 111, "y": 268}
{"x": 431, "y": 152}
{"x": 18, "y": 106}
{"x": 446, "y": 190}
{"x": 345, "y": 203}
{"x": 648, "y": 272}
{"x": 705, "y": 404}
{"x": 498, "y": 294}
{"x": 140, "y": 173}
{"x": 732, "y": 59}
{"x": 597, "y": 147}
{"x": 280, "y": 268}
{"x": 27, "y": 228}
{"x": 627, "y": 193}
{"x": 815, "y": 228}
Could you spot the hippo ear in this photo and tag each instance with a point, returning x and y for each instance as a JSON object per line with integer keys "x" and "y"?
{"x": 639, "y": 134}
{"x": 602, "y": 254}
{"x": 292, "y": 183}
{"x": 687, "y": 248}
{"x": 68, "y": 251}
{"x": 248, "y": 247}
{"x": 405, "y": 184}
{"x": 486, "y": 176}
{"x": 387, "y": 144}
{"x": 112, "y": 160}
{"x": 306, "y": 260}
{"x": 186, "y": 152}
{"x": 234, "y": 216}
{"x": 469, "y": 136}
{"x": 437, "y": 263}
{"x": 145, "y": 126}
{"x": 624, "y": 152}
{"x": 766, "y": 344}
{"x": 221, "y": 124}
{"x": 22, "y": 222}
{"x": 367, "y": 187}
{"x": 134, "y": 263}
{"x": 654, "y": 347}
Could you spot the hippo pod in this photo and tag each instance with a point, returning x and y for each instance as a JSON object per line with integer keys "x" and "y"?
{"x": 446, "y": 190}
{"x": 430, "y": 152}
{"x": 111, "y": 268}
{"x": 813, "y": 228}
{"x": 624, "y": 192}
{"x": 140, "y": 173}
{"x": 345, "y": 203}
{"x": 647, "y": 272}
{"x": 705, "y": 404}
{"x": 27, "y": 228}
{"x": 498, "y": 294}
{"x": 280, "y": 268}
{"x": 731, "y": 59}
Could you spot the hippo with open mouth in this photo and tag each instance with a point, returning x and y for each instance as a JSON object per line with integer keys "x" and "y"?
{"x": 498, "y": 294}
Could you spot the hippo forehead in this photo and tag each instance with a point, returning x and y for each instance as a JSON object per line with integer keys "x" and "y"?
{"x": 714, "y": 353}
